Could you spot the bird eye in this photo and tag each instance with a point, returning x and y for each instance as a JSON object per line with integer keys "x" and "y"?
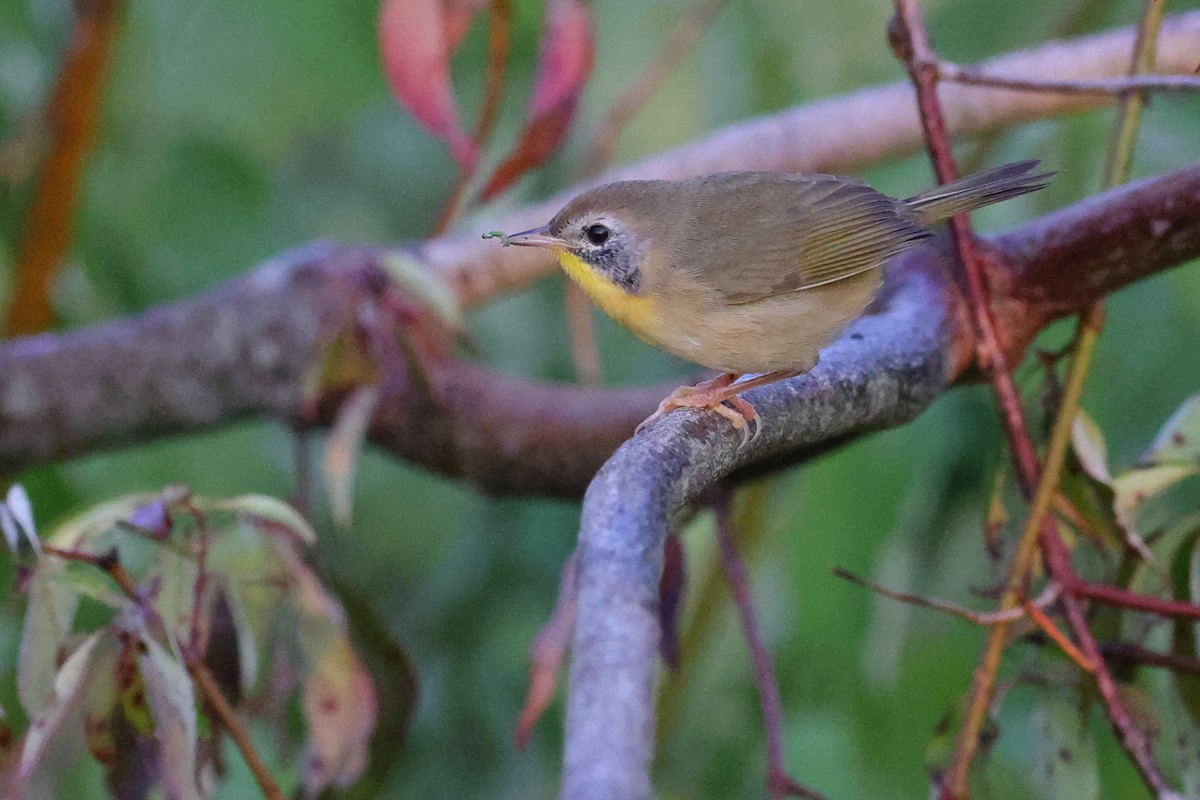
{"x": 597, "y": 234}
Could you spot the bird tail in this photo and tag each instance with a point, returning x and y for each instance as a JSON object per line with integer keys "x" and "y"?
{"x": 976, "y": 191}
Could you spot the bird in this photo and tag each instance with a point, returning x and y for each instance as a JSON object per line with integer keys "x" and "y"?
{"x": 747, "y": 273}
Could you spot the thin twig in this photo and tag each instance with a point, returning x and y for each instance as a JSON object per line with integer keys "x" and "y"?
{"x": 956, "y": 73}
{"x": 910, "y": 40}
{"x": 111, "y": 565}
{"x": 499, "y": 29}
{"x": 229, "y": 721}
{"x": 779, "y": 782}
{"x": 108, "y": 562}
{"x": 72, "y": 116}
{"x": 682, "y": 39}
{"x": 1123, "y": 598}
{"x": 581, "y": 326}
{"x": 983, "y": 618}
{"x": 1048, "y": 627}
{"x": 1130, "y": 653}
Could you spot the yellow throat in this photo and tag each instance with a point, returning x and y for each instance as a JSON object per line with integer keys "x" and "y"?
{"x": 636, "y": 313}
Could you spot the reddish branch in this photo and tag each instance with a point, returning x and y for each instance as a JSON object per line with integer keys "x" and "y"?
{"x": 111, "y": 565}
{"x": 779, "y": 782}
{"x": 910, "y": 41}
{"x": 71, "y": 118}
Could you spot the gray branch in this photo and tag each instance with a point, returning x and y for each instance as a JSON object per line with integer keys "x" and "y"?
{"x": 884, "y": 371}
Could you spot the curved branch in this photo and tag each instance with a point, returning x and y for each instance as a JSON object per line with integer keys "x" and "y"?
{"x": 884, "y": 371}
{"x": 248, "y": 349}
{"x": 840, "y": 134}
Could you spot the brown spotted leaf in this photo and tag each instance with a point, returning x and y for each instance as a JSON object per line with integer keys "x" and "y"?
{"x": 340, "y": 707}
{"x": 1065, "y": 753}
{"x": 565, "y": 61}
{"x": 413, "y": 40}
{"x": 1179, "y": 440}
{"x": 339, "y": 696}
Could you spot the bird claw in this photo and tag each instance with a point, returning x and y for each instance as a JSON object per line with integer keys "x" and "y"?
{"x": 716, "y": 395}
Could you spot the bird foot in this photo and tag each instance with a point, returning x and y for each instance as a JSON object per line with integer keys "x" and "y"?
{"x": 720, "y": 395}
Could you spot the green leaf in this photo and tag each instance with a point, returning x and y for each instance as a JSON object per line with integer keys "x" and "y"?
{"x": 1187, "y": 754}
{"x": 176, "y": 577}
{"x": 48, "y": 619}
{"x": 1065, "y": 753}
{"x": 1183, "y": 632}
{"x": 265, "y": 507}
{"x": 1088, "y": 442}
{"x": 1179, "y": 440}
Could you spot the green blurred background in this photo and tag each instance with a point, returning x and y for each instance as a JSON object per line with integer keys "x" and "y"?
{"x": 233, "y": 130}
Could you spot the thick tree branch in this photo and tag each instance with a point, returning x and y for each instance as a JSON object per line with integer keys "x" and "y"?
{"x": 840, "y": 134}
{"x": 248, "y": 348}
{"x": 883, "y": 372}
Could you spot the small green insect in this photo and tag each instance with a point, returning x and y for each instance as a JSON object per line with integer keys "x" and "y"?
{"x": 503, "y": 237}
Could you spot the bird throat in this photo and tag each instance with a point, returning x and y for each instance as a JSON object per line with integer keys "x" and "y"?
{"x": 633, "y": 311}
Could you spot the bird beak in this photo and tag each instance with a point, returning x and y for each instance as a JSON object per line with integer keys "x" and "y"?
{"x": 537, "y": 237}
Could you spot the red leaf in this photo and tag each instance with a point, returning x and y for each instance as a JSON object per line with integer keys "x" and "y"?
{"x": 564, "y": 64}
{"x": 415, "y": 39}
{"x": 548, "y": 651}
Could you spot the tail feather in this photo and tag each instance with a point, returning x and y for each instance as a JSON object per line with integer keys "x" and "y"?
{"x": 976, "y": 191}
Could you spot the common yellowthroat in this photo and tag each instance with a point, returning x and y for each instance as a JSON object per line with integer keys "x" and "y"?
{"x": 747, "y": 272}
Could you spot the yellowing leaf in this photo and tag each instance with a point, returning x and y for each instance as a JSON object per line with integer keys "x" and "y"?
{"x": 1088, "y": 441}
{"x": 342, "y": 450}
{"x": 340, "y": 706}
{"x": 1179, "y": 440}
{"x": 413, "y": 277}
{"x": 1138, "y": 485}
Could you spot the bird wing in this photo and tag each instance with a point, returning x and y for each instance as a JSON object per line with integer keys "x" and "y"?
{"x": 795, "y": 232}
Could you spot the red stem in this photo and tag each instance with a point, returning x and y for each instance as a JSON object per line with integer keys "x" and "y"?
{"x": 910, "y": 41}
{"x": 779, "y": 782}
